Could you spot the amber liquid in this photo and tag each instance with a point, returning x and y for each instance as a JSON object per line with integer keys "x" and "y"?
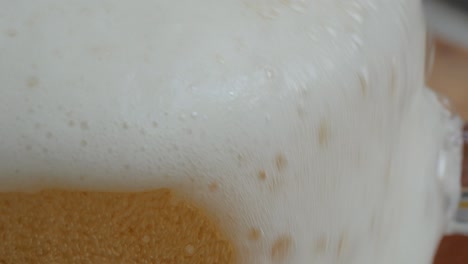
{"x": 91, "y": 227}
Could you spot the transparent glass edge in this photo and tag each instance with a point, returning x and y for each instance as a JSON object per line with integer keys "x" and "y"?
{"x": 451, "y": 155}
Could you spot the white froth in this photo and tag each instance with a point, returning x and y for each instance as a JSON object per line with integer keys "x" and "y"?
{"x": 308, "y": 115}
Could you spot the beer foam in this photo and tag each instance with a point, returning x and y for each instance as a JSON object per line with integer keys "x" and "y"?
{"x": 308, "y": 118}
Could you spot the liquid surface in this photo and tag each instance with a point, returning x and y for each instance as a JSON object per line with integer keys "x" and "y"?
{"x": 90, "y": 227}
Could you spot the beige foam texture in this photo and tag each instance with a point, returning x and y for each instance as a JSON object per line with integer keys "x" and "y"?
{"x": 302, "y": 126}
{"x": 90, "y": 227}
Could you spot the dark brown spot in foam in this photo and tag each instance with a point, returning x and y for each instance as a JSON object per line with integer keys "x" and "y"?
{"x": 281, "y": 162}
{"x": 364, "y": 85}
{"x": 281, "y": 248}
{"x": 323, "y": 133}
{"x": 254, "y": 234}
{"x": 321, "y": 245}
{"x": 342, "y": 244}
{"x": 213, "y": 187}
{"x": 262, "y": 175}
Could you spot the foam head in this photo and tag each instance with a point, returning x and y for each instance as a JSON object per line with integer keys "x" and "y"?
{"x": 301, "y": 127}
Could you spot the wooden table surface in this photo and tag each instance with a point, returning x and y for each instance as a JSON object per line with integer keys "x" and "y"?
{"x": 450, "y": 77}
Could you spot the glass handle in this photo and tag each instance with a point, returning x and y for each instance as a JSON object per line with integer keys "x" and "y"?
{"x": 452, "y": 167}
{"x": 453, "y": 175}
{"x": 460, "y": 222}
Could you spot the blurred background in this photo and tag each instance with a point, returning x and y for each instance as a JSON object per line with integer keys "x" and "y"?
{"x": 447, "y": 22}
